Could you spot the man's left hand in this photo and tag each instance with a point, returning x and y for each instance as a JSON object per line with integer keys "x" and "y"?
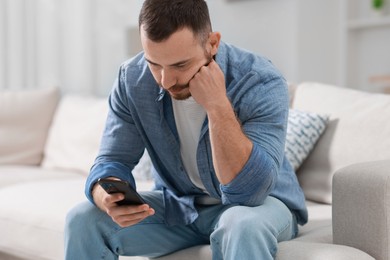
{"x": 208, "y": 86}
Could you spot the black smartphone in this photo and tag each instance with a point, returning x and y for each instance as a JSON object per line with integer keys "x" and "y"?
{"x": 118, "y": 186}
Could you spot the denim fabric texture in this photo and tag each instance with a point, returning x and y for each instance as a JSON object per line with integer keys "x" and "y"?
{"x": 233, "y": 232}
{"x": 141, "y": 116}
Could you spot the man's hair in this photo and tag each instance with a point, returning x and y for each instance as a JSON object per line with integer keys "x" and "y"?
{"x": 161, "y": 18}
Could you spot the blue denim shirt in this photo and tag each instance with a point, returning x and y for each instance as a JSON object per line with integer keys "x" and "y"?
{"x": 141, "y": 116}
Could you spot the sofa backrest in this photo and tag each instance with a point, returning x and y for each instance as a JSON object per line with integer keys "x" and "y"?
{"x": 358, "y": 131}
{"x": 25, "y": 118}
{"x": 75, "y": 134}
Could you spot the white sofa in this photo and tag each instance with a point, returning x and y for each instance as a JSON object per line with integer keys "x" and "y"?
{"x": 48, "y": 143}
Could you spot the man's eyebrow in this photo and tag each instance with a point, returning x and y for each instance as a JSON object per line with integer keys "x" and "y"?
{"x": 179, "y": 63}
{"x": 151, "y": 62}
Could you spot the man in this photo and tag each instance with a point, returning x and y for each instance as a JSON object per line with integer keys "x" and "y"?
{"x": 213, "y": 119}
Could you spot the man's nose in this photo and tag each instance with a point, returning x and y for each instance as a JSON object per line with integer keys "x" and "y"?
{"x": 168, "y": 78}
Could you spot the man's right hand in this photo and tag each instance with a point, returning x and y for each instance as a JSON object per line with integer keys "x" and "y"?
{"x": 125, "y": 215}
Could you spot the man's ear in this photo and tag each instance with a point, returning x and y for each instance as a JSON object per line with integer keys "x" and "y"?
{"x": 214, "y": 40}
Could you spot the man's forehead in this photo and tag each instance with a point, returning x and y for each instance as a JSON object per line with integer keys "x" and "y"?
{"x": 180, "y": 47}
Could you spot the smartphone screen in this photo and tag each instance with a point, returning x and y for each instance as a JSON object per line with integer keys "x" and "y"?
{"x": 118, "y": 186}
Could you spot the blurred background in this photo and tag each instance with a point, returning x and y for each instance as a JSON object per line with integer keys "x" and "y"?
{"x": 78, "y": 45}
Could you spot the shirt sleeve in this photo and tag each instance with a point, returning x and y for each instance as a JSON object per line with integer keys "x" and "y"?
{"x": 121, "y": 146}
{"x": 263, "y": 112}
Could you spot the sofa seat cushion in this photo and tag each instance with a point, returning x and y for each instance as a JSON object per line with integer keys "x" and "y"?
{"x": 19, "y": 174}
{"x": 193, "y": 253}
{"x": 319, "y": 227}
{"x": 357, "y": 131}
{"x": 38, "y": 208}
{"x": 287, "y": 250}
{"x": 318, "y": 251}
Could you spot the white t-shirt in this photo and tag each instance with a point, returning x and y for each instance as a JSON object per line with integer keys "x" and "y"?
{"x": 189, "y": 117}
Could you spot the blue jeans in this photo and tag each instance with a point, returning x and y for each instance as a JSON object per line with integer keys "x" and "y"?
{"x": 233, "y": 232}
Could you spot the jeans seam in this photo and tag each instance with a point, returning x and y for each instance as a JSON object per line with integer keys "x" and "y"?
{"x": 275, "y": 249}
{"x": 283, "y": 229}
{"x": 215, "y": 243}
{"x": 109, "y": 238}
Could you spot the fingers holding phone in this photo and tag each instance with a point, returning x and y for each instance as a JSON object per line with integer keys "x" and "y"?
{"x": 128, "y": 215}
{"x": 121, "y": 202}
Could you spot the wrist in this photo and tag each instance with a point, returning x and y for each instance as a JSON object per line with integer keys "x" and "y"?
{"x": 219, "y": 109}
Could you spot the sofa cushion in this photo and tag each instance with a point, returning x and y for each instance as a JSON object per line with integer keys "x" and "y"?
{"x": 34, "y": 210}
{"x": 286, "y": 251}
{"x": 318, "y": 251}
{"x": 319, "y": 227}
{"x": 193, "y": 253}
{"x": 17, "y": 174}
{"x": 25, "y": 117}
{"x": 39, "y": 209}
{"x": 303, "y": 131}
{"x": 75, "y": 134}
{"x": 358, "y": 131}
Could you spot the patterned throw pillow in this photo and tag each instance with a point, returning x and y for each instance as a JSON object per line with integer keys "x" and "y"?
{"x": 303, "y": 131}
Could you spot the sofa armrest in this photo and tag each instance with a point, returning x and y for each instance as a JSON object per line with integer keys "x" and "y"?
{"x": 361, "y": 208}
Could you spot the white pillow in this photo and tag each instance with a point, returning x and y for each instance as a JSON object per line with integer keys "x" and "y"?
{"x": 303, "y": 131}
{"x": 75, "y": 136}
{"x": 25, "y": 118}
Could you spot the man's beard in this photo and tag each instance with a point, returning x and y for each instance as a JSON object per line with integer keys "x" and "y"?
{"x": 182, "y": 94}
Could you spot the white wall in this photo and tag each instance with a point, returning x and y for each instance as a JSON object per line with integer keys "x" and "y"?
{"x": 79, "y": 44}
{"x": 301, "y": 37}
{"x": 318, "y": 41}
{"x": 267, "y": 27}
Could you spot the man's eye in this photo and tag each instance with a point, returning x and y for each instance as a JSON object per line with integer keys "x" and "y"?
{"x": 154, "y": 66}
{"x": 181, "y": 66}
